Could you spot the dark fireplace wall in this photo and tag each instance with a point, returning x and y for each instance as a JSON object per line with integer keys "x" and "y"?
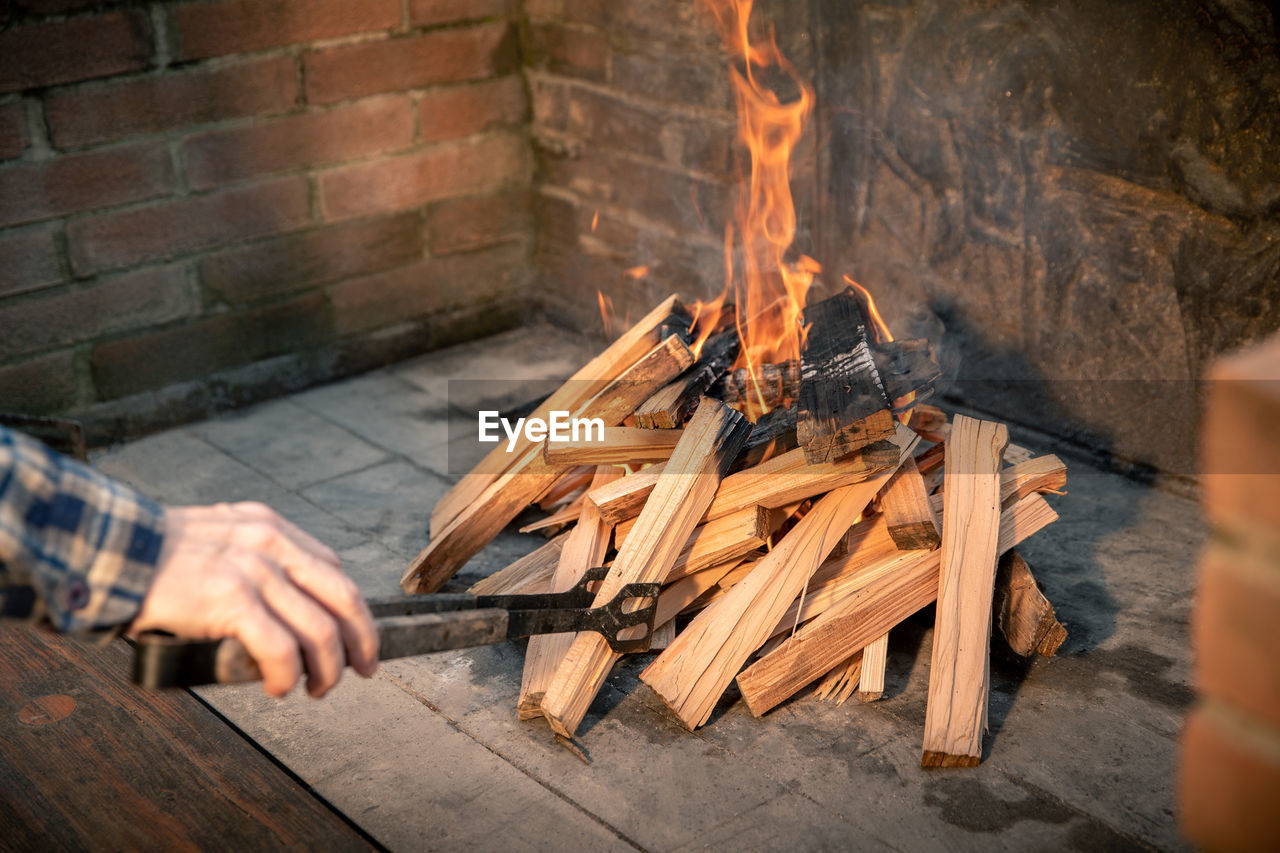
{"x": 1081, "y": 197}
{"x": 1086, "y": 193}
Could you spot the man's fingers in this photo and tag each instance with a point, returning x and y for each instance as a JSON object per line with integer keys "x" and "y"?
{"x": 273, "y": 646}
{"x": 314, "y": 628}
{"x": 341, "y": 597}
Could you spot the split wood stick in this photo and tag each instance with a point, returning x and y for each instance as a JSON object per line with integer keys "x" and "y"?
{"x": 956, "y": 713}
{"x": 623, "y": 499}
{"x": 928, "y": 422}
{"x": 529, "y": 574}
{"x": 663, "y": 635}
{"x": 1013, "y": 454}
{"x": 716, "y": 541}
{"x": 594, "y": 376}
{"x": 558, "y": 520}
{"x": 1025, "y": 617}
{"x": 530, "y": 476}
{"x": 693, "y": 672}
{"x": 1041, "y": 474}
{"x": 671, "y": 406}
{"x": 618, "y": 446}
{"x": 868, "y": 612}
{"x": 562, "y": 491}
{"x": 677, "y": 596}
{"x": 911, "y": 519}
{"x": 838, "y": 684}
{"x": 711, "y": 440}
{"x": 871, "y": 678}
{"x": 584, "y": 548}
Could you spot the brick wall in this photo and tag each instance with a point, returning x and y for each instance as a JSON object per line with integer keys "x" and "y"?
{"x": 1229, "y": 779}
{"x": 204, "y": 202}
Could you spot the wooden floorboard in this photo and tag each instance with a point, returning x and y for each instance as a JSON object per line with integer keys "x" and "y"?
{"x": 88, "y": 761}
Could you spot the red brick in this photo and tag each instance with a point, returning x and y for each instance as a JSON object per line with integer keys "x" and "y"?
{"x": 107, "y": 111}
{"x": 429, "y": 12}
{"x": 169, "y": 229}
{"x": 348, "y": 132}
{"x": 237, "y": 26}
{"x": 451, "y": 169}
{"x": 73, "y": 183}
{"x": 1235, "y": 632}
{"x": 131, "y": 301}
{"x": 593, "y": 12}
{"x": 40, "y": 385}
{"x": 412, "y": 62}
{"x": 463, "y": 110}
{"x": 574, "y": 51}
{"x": 1240, "y": 458}
{"x": 28, "y": 260}
{"x": 428, "y": 287}
{"x": 463, "y": 224}
{"x": 322, "y": 255}
{"x": 40, "y": 55}
{"x": 1228, "y": 784}
{"x": 14, "y": 137}
{"x": 194, "y": 350}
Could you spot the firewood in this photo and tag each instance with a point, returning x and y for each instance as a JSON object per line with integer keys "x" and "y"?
{"x": 677, "y": 596}
{"x": 623, "y": 499}
{"x": 584, "y": 548}
{"x": 530, "y": 476}
{"x": 663, "y": 635}
{"x": 928, "y": 421}
{"x": 711, "y": 439}
{"x": 838, "y": 684}
{"x": 956, "y": 713}
{"x": 693, "y": 672}
{"x": 1023, "y": 614}
{"x": 618, "y": 446}
{"x": 774, "y": 433}
{"x": 842, "y": 403}
{"x": 529, "y": 574}
{"x": 1014, "y": 454}
{"x": 1041, "y": 474}
{"x": 906, "y": 368}
{"x": 671, "y": 406}
{"x": 566, "y": 488}
{"x": 717, "y": 541}
{"x": 905, "y": 504}
{"x": 868, "y": 612}
{"x": 769, "y": 385}
{"x": 871, "y": 678}
{"x": 594, "y": 376}
{"x": 557, "y": 521}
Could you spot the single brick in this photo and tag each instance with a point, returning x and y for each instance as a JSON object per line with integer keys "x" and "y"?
{"x": 313, "y": 257}
{"x": 47, "y": 54}
{"x": 457, "y": 111}
{"x": 1240, "y": 458}
{"x": 348, "y": 132}
{"x": 1235, "y": 632}
{"x": 470, "y": 167}
{"x": 28, "y": 260}
{"x": 169, "y": 229}
{"x": 429, "y": 287}
{"x": 1229, "y": 783}
{"x": 239, "y": 26}
{"x": 463, "y": 224}
{"x": 73, "y": 183}
{"x": 40, "y": 385}
{"x": 194, "y": 350}
{"x": 572, "y": 51}
{"x": 429, "y": 12}
{"x": 412, "y": 62}
{"x": 14, "y": 136}
{"x": 593, "y": 12}
{"x": 135, "y": 300}
{"x": 106, "y": 111}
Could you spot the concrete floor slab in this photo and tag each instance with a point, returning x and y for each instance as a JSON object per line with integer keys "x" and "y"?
{"x": 1081, "y": 753}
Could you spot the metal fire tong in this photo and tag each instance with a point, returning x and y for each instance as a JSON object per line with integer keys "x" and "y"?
{"x": 418, "y": 624}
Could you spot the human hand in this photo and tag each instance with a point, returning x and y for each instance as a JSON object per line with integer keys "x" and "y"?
{"x": 240, "y": 570}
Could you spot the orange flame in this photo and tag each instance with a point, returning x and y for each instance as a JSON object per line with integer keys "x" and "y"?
{"x": 637, "y": 273}
{"x": 768, "y": 290}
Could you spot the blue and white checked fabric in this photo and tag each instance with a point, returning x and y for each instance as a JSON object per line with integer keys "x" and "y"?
{"x": 86, "y": 544}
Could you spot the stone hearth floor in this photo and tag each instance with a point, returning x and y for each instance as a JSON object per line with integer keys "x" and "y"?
{"x": 429, "y": 753}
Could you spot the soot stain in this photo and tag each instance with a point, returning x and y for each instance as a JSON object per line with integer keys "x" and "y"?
{"x": 969, "y": 804}
{"x": 1145, "y": 675}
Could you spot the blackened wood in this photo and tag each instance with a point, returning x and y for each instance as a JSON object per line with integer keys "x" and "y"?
{"x": 674, "y": 404}
{"x": 842, "y": 404}
{"x": 777, "y": 385}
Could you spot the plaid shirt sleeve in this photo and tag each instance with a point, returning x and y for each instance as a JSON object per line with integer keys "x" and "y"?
{"x": 86, "y": 544}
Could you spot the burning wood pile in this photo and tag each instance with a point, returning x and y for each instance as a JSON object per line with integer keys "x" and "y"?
{"x": 789, "y": 536}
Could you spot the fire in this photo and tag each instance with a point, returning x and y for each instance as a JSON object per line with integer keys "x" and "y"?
{"x": 768, "y": 290}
